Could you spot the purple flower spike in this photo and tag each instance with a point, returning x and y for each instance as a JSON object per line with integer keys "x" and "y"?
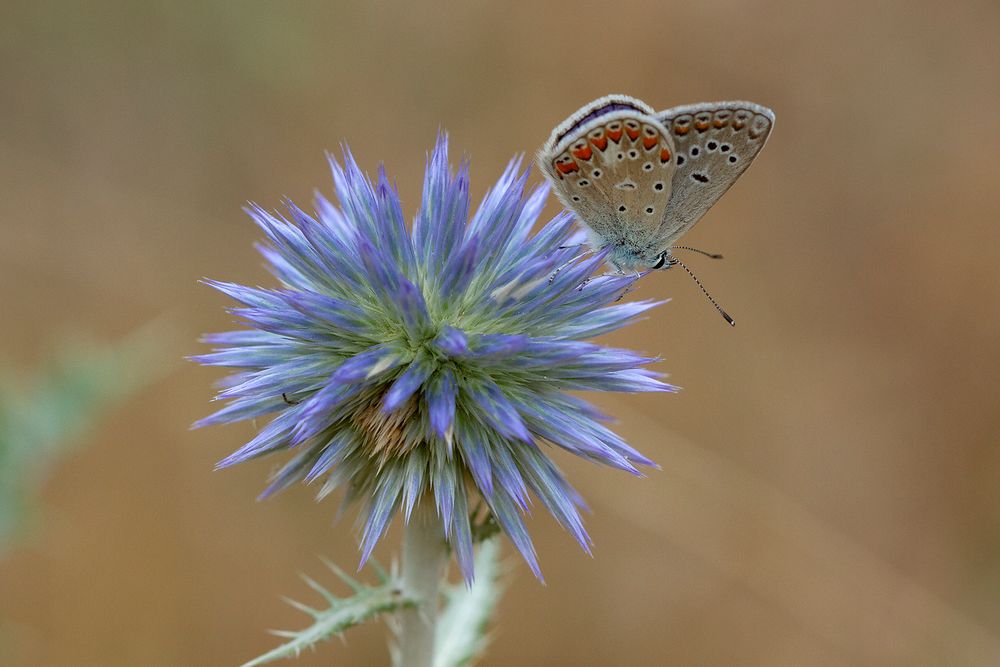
{"x": 433, "y": 360}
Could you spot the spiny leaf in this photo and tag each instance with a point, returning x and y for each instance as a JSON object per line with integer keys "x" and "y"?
{"x": 343, "y": 613}
{"x": 461, "y": 631}
{"x": 355, "y": 585}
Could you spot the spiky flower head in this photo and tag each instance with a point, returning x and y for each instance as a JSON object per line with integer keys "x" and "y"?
{"x": 436, "y": 360}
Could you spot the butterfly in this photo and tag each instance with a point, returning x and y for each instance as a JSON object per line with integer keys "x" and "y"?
{"x": 639, "y": 179}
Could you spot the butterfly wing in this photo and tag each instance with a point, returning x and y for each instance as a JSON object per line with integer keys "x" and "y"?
{"x": 715, "y": 143}
{"x": 612, "y": 164}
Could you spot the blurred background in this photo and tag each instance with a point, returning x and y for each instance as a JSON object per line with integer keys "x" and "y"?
{"x": 830, "y": 492}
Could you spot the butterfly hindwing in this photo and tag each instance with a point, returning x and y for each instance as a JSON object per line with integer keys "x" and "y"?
{"x": 715, "y": 142}
{"x": 612, "y": 164}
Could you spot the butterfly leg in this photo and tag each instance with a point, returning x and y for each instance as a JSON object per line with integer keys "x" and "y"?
{"x": 586, "y": 281}
{"x": 628, "y": 288}
{"x": 566, "y": 247}
{"x": 617, "y": 274}
{"x": 287, "y": 400}
{"x": 555, "y": 273}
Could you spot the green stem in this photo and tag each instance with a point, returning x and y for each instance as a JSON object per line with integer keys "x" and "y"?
{"x": 425, "y": 557}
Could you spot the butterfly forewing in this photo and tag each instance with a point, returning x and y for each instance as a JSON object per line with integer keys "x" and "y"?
{"x": 714, "y": 144}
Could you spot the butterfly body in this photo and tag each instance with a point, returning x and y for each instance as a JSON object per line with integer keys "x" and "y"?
{"x": 639, "y": 179}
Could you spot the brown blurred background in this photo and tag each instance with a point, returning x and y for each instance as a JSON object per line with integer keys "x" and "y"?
{"x": 829, "y": 492}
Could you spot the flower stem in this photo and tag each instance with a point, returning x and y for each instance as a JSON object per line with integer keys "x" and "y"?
{"x": 425, "y": 556}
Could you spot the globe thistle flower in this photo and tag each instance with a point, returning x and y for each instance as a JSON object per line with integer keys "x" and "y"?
{"x": 438, "y": 360}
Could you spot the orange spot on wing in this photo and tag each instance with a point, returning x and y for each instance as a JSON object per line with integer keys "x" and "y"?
{"x": 665, "y": 155}
{"x": 583, "y": 153}
{"x": 615, "y": 135}
{"x": 632, "y": 134}
{"x": 719, "y": 122}
{"x": 567, "y": 167}
{"x": 682, "y": 130}
{"x": 701, "y": 125}
{"x": 649, "y": 142}
{"x": 601, "y": 142}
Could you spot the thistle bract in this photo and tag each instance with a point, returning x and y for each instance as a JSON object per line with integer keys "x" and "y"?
{"x": 435, "y": 359}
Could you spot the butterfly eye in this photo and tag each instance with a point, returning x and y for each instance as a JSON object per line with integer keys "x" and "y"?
{"x": 660, "y": 262}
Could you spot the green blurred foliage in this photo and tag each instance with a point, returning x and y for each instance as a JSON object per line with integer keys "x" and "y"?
{"x": 46, "y": 412}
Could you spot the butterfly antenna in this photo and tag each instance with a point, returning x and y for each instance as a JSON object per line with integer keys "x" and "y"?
{"x": 706, "y": 254}
{"x": 674, "y": 260}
